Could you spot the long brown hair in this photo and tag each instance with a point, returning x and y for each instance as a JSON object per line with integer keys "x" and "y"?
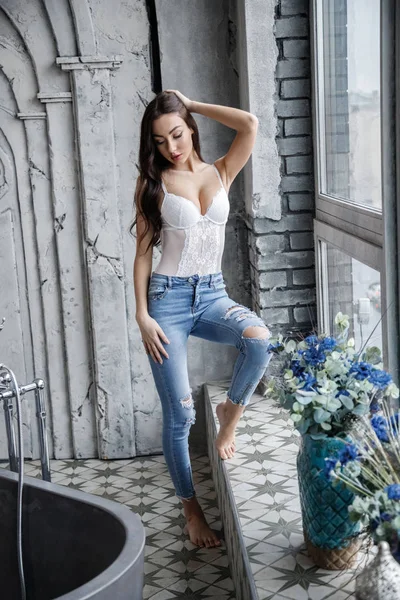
{"x": 152, "y": 163}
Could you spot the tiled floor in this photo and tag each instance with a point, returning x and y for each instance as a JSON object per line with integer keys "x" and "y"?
{"x": 174, "y": 567}
{"x": 263, "y": 479}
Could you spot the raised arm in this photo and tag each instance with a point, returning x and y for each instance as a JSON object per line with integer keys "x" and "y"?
{"x": 246, "y": 125}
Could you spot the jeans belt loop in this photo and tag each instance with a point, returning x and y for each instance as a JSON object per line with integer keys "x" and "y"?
{"x": 169, "y": 283}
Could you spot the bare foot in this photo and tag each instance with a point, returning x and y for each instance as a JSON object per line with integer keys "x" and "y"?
{"x": 228, "y": 416}
{"x": 200, "y": 533}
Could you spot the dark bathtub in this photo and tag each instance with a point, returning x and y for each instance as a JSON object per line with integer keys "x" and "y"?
{"x": 76, "y": 546}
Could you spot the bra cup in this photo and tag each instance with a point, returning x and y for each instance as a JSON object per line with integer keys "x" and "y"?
{"x": 181, "y": 213}
{"x": 218, "y": 212}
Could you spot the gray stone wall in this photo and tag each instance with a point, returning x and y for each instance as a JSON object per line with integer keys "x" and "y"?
{"x": 281, "y": 250}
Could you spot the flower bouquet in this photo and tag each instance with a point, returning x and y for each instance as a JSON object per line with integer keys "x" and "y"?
{"x": 328, "y": 386}
{"x": 369, "y": 466}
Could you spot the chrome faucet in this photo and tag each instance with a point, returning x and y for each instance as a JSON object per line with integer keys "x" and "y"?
{"x": 7, "y": 394}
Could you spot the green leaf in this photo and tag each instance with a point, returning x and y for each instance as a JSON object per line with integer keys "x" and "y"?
{"x": 326, "y": 426}
{"x": 318, "y": 436}
{"x": 304, "y": 400}
{"x": 360, "y": 409}
{"x": 290, "y": 347}
{"x": 321, "y": 415}
{"x": 346, "y": 401}
{"x": 303, "y": 426}
{"x": 333, "y": 405}
{"x": 372, "y": 355}
{"x": 296, "y": 417}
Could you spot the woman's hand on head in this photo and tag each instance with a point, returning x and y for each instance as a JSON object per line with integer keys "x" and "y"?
{"x": 152, "y": 334}
{"x": 188, "y": 103}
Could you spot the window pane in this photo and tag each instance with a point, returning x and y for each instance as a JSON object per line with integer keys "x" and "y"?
{"x": 349, "y": 102}
{"x": 354, "y": 289}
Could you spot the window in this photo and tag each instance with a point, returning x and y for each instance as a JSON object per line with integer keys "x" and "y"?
{"x": 349, "y": 75}
{"x": 354, "y": 90}
{"x": 350, "y": 282}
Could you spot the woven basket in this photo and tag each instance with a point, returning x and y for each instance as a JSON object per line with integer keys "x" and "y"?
{"x": 337, "y": 559}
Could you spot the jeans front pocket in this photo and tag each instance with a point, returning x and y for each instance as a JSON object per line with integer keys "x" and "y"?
{"x": 157, "y": 291}
{"x": 219, "y": 284}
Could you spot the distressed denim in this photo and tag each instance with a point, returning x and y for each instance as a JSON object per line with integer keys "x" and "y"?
{"x": 198, "y": 305}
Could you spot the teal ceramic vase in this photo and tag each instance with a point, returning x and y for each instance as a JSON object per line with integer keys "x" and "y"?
{"x": 332, "y": 539}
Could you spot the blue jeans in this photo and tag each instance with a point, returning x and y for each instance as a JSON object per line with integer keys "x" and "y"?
{"x": 198, "y": 305}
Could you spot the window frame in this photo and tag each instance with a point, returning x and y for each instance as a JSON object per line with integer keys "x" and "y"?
{"x": 365, "y": 222}
{"x": 352, "y": 227}
{"x": 361, "y": 250}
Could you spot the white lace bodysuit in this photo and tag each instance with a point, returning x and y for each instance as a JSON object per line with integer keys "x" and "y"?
{"x": 191, "y": 242}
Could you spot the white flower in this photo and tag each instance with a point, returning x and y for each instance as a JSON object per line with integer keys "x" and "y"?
{"x": 335, "y": 367}
{"x": 352, "y": 469}
{"x": 392, "y": 390}
{"x": 360, "y": 505}
{"x": 342, "y": 321}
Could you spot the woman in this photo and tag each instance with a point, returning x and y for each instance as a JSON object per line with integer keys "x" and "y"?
{"x": 182, "y": 202}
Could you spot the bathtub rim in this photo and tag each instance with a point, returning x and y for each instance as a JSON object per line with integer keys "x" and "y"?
{"x": 131, "y": 551}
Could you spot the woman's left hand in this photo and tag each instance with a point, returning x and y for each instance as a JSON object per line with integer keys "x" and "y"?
{"x": 188, "y": 103}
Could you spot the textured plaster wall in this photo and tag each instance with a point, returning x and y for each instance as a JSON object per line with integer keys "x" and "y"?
{"x": 76, "y": 78}
{"x": 125, "y": 31}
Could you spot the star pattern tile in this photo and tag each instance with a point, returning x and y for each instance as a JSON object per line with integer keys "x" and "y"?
{"x": 174, "y": 567}
{"x": 258, "y": 495}
{"x": 253, "y": 498}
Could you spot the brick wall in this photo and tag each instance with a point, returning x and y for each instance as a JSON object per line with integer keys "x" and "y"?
{"x": 281, "y": 251}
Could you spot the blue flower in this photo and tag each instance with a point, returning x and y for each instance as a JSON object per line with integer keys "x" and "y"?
{"x": 393, "y": 491}
{"x": 328, "y": 343}
{"x": 275, "y": 347}
{"x": 374, "y": 406}
{"x": 379, "y": 378}
{"x": 296, "y": 367}
{"x": 309, "y": 382}
{"x": 375, "y": 523}
{"x": 348, "y": 453}
{"x": 386, "y": 516}
{"x": 379, "y": 425}
{"x": 330, "y": 464}
{"x": 362, "y": 370}
{"x": 314, "y": 356}
{"x": 311, "y": 340}
{"x": 383, "y": 517}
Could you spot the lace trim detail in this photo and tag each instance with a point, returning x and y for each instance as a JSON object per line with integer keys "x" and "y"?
{"x": 200, "y": 253}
